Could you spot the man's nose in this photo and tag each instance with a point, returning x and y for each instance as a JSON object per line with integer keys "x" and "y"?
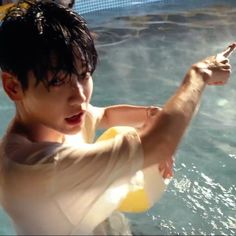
{"x": 77, "y": 91}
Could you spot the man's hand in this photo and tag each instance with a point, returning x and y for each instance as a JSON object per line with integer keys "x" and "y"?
{"x": 216, "y": 69}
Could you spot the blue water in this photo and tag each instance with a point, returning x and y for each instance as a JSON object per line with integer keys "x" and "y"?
{"x": 144, "y": 54}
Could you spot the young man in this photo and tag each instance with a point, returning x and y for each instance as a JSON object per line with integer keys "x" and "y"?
{"x": 54, "y": 179}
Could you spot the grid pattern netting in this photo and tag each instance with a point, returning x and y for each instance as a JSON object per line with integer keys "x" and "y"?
{"x": 85, "y": 6}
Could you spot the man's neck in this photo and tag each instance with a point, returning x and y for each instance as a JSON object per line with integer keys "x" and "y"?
{"x": 34, "y": 132}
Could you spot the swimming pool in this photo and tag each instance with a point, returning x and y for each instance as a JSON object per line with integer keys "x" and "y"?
{"x": 144, "y": 53}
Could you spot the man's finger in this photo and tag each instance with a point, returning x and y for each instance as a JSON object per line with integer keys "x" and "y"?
{"x": 229, "y": 50}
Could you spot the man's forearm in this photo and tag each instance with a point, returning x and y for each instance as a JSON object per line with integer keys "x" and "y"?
{"x": 167, "y": 127}
{"x": 128, "y": 115}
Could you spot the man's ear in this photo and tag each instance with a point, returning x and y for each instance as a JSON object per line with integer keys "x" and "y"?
{"x": 12, "y": 86}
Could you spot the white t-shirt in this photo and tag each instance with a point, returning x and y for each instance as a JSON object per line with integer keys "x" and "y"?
{"x": 71, "y": 188}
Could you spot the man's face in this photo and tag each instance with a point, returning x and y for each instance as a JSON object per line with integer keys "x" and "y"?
{"x": 62, "y": 107}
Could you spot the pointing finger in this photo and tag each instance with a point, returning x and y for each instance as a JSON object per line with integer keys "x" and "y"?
{"x": 229, "y": 50}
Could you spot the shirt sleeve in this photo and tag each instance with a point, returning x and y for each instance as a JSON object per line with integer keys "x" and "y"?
{"x": 91, "y": 180}
{"x": 92, "y": 120}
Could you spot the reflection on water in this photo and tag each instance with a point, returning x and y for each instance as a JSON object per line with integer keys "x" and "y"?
{"x": 144, "y": 54}
{"x": 163, "y": 23}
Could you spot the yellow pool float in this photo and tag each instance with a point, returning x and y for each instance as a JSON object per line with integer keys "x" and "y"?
{"x": 139, "y": 198}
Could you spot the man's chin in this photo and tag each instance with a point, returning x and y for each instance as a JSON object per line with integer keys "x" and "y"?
{"x": 73, "y": 131}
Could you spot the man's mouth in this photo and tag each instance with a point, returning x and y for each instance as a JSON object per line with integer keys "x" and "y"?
{"x": 75, "y": 119}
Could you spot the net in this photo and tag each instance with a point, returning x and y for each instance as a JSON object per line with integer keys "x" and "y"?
{"x": 85, "y": 6}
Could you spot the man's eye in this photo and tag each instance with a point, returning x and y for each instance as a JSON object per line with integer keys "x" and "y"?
{"x": 85, "y": 76}
{"x": 57, "y": 82}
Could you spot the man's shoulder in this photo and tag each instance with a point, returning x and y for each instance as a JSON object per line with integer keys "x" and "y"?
{"x": 19, "y": 149}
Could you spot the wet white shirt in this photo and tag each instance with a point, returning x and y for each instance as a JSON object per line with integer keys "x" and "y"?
{"x": 70, "y": 188}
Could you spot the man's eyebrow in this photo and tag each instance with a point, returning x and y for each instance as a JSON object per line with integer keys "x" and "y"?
{"x": 55, "y": 73}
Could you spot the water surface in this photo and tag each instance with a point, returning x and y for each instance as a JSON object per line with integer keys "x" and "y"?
{"x": 144, "y": 54}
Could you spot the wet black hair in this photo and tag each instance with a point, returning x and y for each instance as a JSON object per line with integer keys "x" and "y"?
{"x": 42, "y": 36}
{"x": 66, "y": 3}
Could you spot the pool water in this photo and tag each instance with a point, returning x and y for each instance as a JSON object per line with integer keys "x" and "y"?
{"x": 144, "y": 54}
